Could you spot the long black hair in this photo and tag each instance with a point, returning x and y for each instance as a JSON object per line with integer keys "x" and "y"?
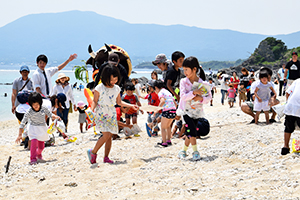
{"x": 109, "y": 70}
{"x": 192, "y": 62}
{"x": 35, "y": 97}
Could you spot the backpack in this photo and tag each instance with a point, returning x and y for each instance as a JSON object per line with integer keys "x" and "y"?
{"x": 23, "y": 96}
{"x": 203, "y": 127}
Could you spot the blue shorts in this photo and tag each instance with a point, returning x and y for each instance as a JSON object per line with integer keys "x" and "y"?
{"x": 130, "y": 115}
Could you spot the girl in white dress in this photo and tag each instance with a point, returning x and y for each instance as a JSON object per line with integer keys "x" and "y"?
{"x": 37, "y": 128}
{"x": 106, "y": 96}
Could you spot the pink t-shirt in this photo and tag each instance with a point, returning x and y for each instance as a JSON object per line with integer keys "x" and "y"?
{"x": 169, "y": 99}
{"x": 231, "y": 93}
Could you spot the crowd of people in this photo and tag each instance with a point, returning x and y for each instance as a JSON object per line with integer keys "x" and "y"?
{"x": 177, "y": 100}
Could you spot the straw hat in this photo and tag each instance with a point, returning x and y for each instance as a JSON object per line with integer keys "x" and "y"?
{"x": 62, "y": 75}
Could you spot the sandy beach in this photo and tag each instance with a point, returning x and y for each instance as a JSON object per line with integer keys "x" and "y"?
{"x": 239, "y": 161}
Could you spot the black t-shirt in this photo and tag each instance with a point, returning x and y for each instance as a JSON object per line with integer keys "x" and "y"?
{"x": 246, "y": 79}
{"x": 294, "y": 69}
{"x": 83, "y": 110}
{"x": 174, "y": 76}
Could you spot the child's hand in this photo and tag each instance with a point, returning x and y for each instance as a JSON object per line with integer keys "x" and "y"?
{"x": 19, "y": 139}
{"x": 55, "y": 117}
{"x": 177, "y": 117}
{"x": 259, "y": 99}
{"x": 198, "y": 98}
{"x": 72, "y": 57}
{"x": 135, "y": 107}
{"x": 198, "y": 92}
{"x": 142, "y": 111}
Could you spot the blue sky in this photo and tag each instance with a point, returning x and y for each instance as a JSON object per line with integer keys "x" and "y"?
{"x": 269, "y": 17}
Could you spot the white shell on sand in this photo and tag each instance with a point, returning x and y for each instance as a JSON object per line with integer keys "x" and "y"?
{"x": 238, "y": 161}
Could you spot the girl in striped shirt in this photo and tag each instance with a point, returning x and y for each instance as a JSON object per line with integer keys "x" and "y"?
{"x": 37, "y": 128}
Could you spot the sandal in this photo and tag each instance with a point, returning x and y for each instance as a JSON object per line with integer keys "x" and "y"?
{"x": 149, "y": 130}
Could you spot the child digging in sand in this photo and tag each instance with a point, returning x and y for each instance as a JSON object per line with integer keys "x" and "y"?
{"x": 37, "y": 128}
{"x": 191, "y": 104}
{"x": 106, "y": 95}
{"x": 262, "y": 96}
{"x": 132, "y": 99}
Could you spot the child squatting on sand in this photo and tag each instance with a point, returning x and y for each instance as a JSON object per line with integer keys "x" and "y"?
{"x": 37, "y": 128}
{"x": 191, "y": 104}
{"x": 106, "y": 95}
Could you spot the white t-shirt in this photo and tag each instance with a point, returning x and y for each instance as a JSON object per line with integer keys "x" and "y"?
{"x": 292, "y": 106}
{"x": 39, "y": 80}
{"x": 67, "y": 90}
{"x": 223, "y": 84}
{"x": 281, "y": 73}
{"x": 211, "y": 85}
{"x": 138, "y": 89}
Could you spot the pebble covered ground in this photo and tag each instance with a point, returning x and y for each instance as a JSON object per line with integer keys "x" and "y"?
{"x": 238, "y": 161}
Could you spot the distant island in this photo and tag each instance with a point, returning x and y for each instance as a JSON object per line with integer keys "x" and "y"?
{"x": 145, "y": 65}
{"x": 214, "y": 65}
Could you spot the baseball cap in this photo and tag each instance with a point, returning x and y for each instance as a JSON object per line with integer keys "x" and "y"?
{"x": 130, "y": 87}
{"x": 151, "y": 83}
{"x": 295, "y": 53}
{"x": 113, "y": 58}
{"x": 252, "y": 70}
{"x": 160, "y": 58}
{"x": 24, "y": 68}
{"x": 61, "y": 97}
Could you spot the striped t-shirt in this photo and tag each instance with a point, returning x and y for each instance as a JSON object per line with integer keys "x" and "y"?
{"x": 36, "y": 118}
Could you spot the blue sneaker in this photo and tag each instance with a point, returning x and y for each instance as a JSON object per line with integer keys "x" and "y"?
{"x": 182, "y": 154}
{"x": 196, "y": 156}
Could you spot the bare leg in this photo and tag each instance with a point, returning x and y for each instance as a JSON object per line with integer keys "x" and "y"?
{"x": 127, "y": 121}
{"x": 164, "y": 128}
{"x": 134, "y": 120}
{"x": 287, "y": 137}
{"x": 257, "y": 117}
{"x": 246, "y": 109}
{"x": 273, "y": 102}
{"x": 193, "y": 140}
{"x": 101, "y": 141}
{"x": 107, "y": 147}
{"x": 81, "y": 125}
{"x": 267, "y": 116}
{"x": 169, "y": 133}
{"x": 187, "y": 141}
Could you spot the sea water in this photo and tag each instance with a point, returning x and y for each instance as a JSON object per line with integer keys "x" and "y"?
{"x": 8, "y": 73}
